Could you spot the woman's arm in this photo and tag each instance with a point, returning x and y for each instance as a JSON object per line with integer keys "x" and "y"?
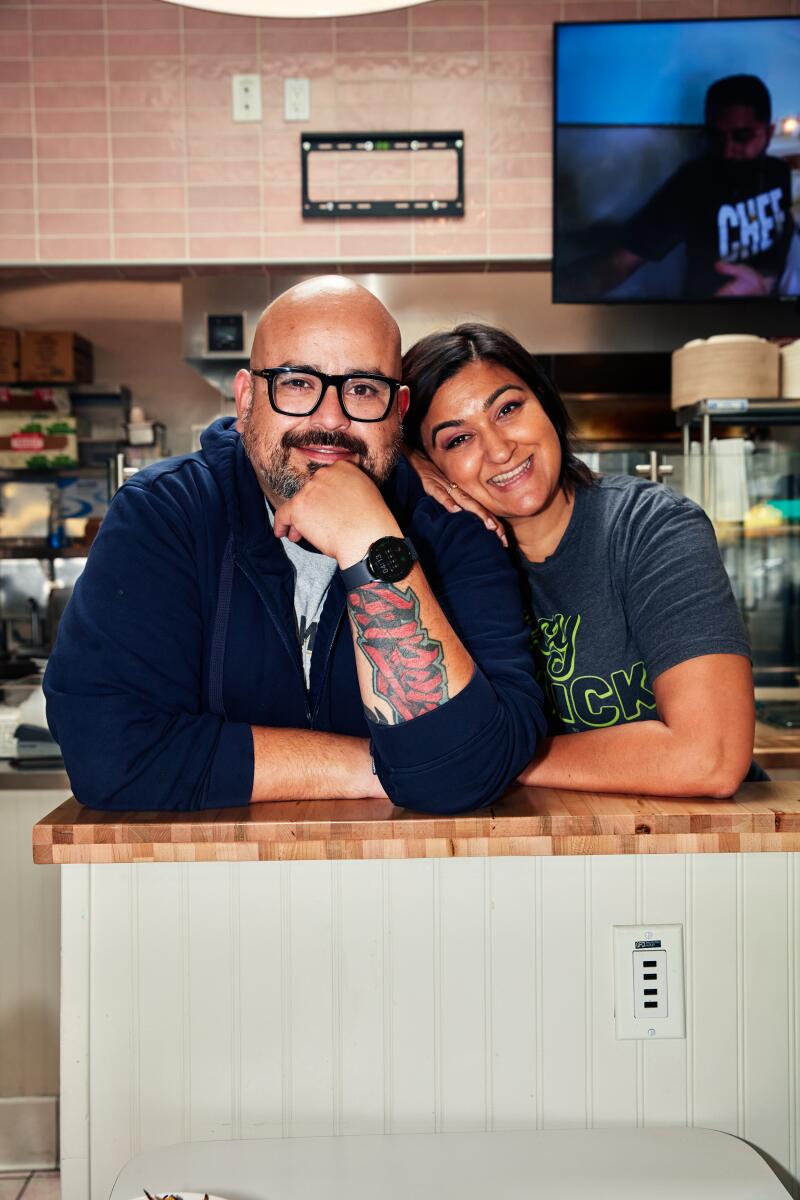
{"x": 701, "y": 745}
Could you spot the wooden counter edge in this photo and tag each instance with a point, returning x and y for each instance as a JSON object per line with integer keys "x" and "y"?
{"x": 762, "y": 817}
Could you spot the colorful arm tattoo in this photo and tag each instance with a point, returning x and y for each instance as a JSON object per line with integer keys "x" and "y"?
{"x": 408, "y": 670}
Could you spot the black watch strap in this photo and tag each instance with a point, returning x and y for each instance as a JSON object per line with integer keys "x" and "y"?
{"x": 389, "y": 560}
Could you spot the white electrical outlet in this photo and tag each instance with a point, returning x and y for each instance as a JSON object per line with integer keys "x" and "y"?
{"x": 296, "y": 100}
{"x": 649, "y": 981}
{"x": 650, "y": 985}
{"x": 246, "y": 94}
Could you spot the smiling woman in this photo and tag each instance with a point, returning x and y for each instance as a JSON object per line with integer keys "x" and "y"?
{"x": 640, "y": 647}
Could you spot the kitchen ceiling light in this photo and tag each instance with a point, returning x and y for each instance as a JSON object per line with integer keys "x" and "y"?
{"x": 296, "y": 8}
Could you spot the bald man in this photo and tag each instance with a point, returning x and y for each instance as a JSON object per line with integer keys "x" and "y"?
{"x": 286, "y": 615}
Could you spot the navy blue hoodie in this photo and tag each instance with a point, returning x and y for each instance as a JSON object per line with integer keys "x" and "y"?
{"x": 181, "y": 635}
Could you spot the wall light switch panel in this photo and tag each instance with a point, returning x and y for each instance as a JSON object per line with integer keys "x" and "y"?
{"x": 246, "y": 92}
{"x": 649, "y": 982}
{"x": 296, "y": 100}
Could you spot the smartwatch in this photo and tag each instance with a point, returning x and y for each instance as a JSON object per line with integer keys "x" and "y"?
{"x": 387, "y": 560}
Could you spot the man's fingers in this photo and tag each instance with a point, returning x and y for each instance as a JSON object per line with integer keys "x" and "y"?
{"x": 742, "y": 280}
{"x": 282, "y": 524}
{"x": 283, "y": 527}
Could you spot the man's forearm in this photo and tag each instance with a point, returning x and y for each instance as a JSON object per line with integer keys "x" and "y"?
{"x": 303, "y": 764}
{"x": 646, "y": 756}
{"x": 409, "y": 660}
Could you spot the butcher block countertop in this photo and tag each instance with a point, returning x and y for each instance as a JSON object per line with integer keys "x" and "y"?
{"x": 761, "y": 817}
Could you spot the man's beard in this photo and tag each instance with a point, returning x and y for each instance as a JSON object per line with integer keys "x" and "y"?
{"x": 272, "y": 463}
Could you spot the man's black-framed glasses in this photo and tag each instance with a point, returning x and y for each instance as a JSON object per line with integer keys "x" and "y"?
{"x": 298, "y": 392}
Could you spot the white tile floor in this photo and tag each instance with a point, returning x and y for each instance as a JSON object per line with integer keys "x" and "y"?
{"x": 32, "y": 1185}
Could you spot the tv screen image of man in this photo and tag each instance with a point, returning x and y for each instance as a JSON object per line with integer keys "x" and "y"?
{"x": 730, "y": 208}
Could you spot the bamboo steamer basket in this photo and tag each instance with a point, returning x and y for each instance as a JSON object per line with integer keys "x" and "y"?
{"x": 725, "y": 366}
{"x": 790, "y": 371}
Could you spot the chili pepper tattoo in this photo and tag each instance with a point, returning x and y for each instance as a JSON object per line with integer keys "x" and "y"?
{"x": 408, "y": 668}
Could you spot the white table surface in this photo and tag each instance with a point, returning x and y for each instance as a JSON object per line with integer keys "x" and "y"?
{"x": 601, "y": 1164}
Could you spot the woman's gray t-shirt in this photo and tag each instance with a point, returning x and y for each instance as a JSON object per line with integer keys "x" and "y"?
{"x": 635, "y": 587}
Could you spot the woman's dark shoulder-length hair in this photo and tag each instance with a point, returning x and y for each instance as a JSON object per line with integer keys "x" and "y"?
{"x": 439, "y": 356}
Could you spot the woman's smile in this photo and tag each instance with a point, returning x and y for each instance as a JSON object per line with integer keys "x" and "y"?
{"x": 517, "y": 475}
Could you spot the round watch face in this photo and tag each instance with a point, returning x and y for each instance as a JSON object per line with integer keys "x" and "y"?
{"x": 390, "y": 559}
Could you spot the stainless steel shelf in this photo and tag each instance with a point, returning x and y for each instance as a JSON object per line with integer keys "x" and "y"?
{"x": 740, "y": 411}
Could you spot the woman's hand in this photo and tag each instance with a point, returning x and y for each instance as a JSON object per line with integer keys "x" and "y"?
{"x": 450, "y": 495}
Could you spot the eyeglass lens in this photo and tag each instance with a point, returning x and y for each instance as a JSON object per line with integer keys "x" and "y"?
{"x": 363, "y": 399}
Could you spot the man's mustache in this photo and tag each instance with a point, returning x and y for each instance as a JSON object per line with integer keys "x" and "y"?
{"x": 326, "y": 438}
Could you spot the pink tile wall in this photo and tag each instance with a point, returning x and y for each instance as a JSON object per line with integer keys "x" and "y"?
{"x": 117, "y": 142}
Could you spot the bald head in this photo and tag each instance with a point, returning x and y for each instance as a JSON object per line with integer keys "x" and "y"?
{"x": 331, "y": 327}
{"x": 324, "y": 308}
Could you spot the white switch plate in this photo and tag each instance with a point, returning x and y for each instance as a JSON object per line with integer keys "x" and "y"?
{"x": 296, "y": 100}
{"x": 649, "y": 982}
{"x": 246, "y": 95}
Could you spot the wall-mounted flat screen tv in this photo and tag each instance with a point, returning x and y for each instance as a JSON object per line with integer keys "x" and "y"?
{"x": 677, "y": 160}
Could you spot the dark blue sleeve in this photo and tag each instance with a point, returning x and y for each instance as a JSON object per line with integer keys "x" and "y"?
{"x": 663, "y": 220}
{"x": 465, "y": 753}
{"x": 124, "y": 682}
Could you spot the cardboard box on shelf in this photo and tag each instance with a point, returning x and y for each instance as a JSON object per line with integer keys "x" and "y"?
{"x": 49, "y": 356}
{"x": 37, "y": 441}
{"x": 9, "y": 356}
{"x": 34, "y": 399}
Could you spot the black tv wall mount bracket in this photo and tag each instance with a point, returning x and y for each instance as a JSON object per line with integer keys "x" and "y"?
{"x": 373, "y": 144}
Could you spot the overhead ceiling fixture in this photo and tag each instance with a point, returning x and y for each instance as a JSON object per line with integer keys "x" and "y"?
{"x": 297, "y": 8}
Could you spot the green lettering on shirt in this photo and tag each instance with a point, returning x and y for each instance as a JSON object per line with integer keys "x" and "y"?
{"x": 632, "y": 691}
{"x": 556, "y": 643}
{"x": 585, "y": 692}
{"x": 590, "y": 701}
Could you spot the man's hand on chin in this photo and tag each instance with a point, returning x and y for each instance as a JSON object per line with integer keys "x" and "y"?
{"x": 743, "y": 280}
{"x": 340, "y": 511}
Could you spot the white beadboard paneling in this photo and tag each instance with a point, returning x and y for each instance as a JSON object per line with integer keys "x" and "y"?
{"x": 512, "y": 993}
{"x": 213, "y": 1022}
{"x": 75, "y": 1130}
{"x": 308, "y": 998}
{"x": 261, "y": 973}
{"x": 664, "y": 903}
{"x": 359, "y": 982}
{"x": 461, "y": 986}
{"x": 113, "y": 1094}
{"x": 411, "y": 1094}
{"x": 563, "y": 958}
{"x": 612, "y": 901}
{"x": 310, "y": 1012}
{"x": 766, "y": 981}
{"x": 711, "y": 997}
{"x": 794, "y": 1019}
{"x": 160, "y": 1007}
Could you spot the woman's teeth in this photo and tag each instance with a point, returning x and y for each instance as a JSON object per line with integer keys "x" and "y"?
{"x": 509, "y": 476}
